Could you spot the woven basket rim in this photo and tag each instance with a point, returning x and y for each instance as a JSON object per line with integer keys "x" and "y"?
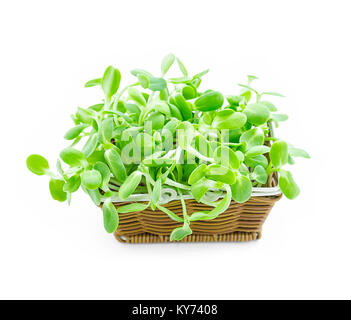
{"x": 256, "y": 192}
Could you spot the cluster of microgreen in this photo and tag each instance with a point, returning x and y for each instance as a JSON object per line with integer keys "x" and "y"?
{"x": 143, "y": 140}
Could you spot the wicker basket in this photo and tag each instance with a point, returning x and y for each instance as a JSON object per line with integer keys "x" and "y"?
{"x": 240, "y": 222}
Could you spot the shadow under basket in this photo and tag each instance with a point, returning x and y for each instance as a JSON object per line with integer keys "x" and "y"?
{"x": 239, "y": 223}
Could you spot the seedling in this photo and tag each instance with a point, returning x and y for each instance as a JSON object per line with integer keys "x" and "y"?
{"x": 165, "y": 133}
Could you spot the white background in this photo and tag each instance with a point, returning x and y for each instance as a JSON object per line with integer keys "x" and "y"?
{"x": 50, "y": 48}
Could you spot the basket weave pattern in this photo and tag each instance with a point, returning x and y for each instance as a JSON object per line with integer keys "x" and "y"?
{"x": 240, "y": 222}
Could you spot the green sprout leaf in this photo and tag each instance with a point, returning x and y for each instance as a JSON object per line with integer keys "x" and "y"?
{"x": 287, "y": 184}
{"x": 270, "y": 106}
{"x": 229, "y": 119}
{"x": 209, "y": 101}
{"x": 72, "y": 157}
{"x": 132, "y": 207}
{"x": 241, "y": 189}
{"x": 135, "y": 95}
{"x": 56, "y": 190}
{"x": 129, "y": 185}
{"x": 37, "y": 164}
{"x": 90, "y": 145}
{"x": 253, "y": 137}
{"x": 260, "y": 174}
{"x": 72, "y": 184}
{"x": 183, "y": 106}
{"x": 116, "y": 165}
{"x": 157, "y": 84}
{"x": 197, "y": 174}
{"x": 180, "y": 233}
{"x": 104, "y": 172}
{"x": 167, "y": 62}
{"x": 182, "y": 68}
{"x": 91, "y": 179}
{"x": 257, "y": 113}
{"x": 279, "y": 117}
{"x": 296, "y": 152}
{"x": 156, "y": 193}
{"x": 110, "y": 81}
{"x": 75, "y": 131}
{"x": 220, "y": 173}
{"x": 257, "y": 150}
{"x": 279, "y": 154}
{"x": 110, "y": 215}
{"x": 93, "y": 83}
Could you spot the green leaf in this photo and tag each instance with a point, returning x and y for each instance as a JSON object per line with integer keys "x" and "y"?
{"x": 105, "y": 173}
{"x": 144, "y": 81}
{"x": 110, "y": 215}
{"x": 241, "y": 189}
{"x": 90, "y": 145}
{"x": 257, "y": 113}
{"x": 197, "y": 174}
{"x": 200, "y": 188}
{"x": 157, "y": 84}
{"x": 234, "y": 100}
{"x": 111, "y": 81}
{"x": 219, "y": 207}
{"x": 260, "y": 174}
{"x": 92, "y": 83}
{"x": 137, "y": 72}
{"x": 180, "y": 233}
{"x": 189, "y": 92}
{"x": 72, "y": 184}
{"x": 179, "y": 80}
{"x": 132, "y": 207}
{"x": 273, "y": 94}
{"x": 296, "y": 152}
{"x": 220, "y": 173}
{"x": 182, "y": 68}
{"x": 201, "y": 74}
{"x": 135, "y": 95}
{"x": 279, "y": 117}
{"x": 167, "y": 62}
{"x": 271, "y": 107}
{"x": 37, "y": 164}
{"x": 129, "y": 185}
{"x": 97, "y": 107}
{"x": 209, "y": 101}
{"x": 226, "y": 156}
{"x": 252, "y": 162}
{"x": 253, "y": 137}
{"x": 228, "y": 119}
{"x": 156, "y": 192}
{"x": 183, "y": 106}
{"x": 279, "y": 153}
{"x": 56, "y": 190}
{"x": 75, "y": 131}
{"x": 72, "y": 157}
{"x": 157, "y": 120}
{"x": 116, "y": 165}
{"x": 91, "y": 179}
{"x": 107, "y": 129}
{"x": 288, "y": 185}
{"x": 175, "y": 112}
{"x": 162, "y": 106}
{"x": 257, "y": 150}
{"x": 170, "y": 214}
{"x": 84, "y": 116}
